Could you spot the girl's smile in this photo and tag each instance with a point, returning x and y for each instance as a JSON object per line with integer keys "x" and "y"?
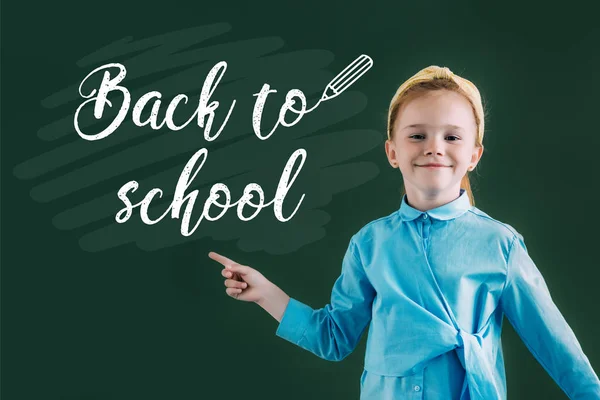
{"x": 433, "y": 166}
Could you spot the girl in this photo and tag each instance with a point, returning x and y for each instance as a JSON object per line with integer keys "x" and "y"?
{"x": 433, "y": 279}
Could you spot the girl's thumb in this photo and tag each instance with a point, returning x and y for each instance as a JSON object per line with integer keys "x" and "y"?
{"x": 241, "y": 269}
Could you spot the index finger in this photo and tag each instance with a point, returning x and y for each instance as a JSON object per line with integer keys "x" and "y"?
{"x": 222, "y": 259}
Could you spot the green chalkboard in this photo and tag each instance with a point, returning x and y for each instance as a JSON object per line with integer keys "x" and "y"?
{"x": 96, "y": 309}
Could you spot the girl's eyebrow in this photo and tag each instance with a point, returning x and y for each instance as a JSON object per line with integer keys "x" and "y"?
{"x": 425, "y": 125}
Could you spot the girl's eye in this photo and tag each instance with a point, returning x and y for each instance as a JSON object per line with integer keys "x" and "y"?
{"x": 419, "y": 136}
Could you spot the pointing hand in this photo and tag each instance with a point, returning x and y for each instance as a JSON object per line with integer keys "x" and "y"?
{"x": 243, "y": 283}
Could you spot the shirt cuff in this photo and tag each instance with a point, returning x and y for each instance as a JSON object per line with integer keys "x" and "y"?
{"x": 294, "y": 321}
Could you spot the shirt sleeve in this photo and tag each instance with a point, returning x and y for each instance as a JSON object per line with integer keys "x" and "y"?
{"x": 527, "y": 304}
{"x": 332, "y": 332}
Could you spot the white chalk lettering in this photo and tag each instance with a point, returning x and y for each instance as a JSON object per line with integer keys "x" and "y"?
{"x": 204, "y": 113}
{"x": 189, "y": 172}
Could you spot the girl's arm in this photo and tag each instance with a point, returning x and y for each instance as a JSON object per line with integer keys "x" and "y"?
{"x": 530, "y": 309}
{"x": 332, "y": 332}
{"x": 274, "y": 301}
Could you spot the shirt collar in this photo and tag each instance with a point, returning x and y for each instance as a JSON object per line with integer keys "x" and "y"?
{"x": 444, "y": 212}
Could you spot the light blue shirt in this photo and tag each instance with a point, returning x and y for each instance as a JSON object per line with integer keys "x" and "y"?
{"x": 433, "y": 287}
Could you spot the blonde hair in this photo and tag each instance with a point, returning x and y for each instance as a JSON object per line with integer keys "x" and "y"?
{"x": 431, "y": 79}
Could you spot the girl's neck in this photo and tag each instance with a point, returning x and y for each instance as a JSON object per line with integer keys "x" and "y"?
{"x": 427, "y": 201}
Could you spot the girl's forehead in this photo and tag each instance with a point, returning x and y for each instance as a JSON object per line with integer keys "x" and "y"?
{"x": 437, "y": 109}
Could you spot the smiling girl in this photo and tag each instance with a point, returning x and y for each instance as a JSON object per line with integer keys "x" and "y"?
{"x": 434, "y": 279}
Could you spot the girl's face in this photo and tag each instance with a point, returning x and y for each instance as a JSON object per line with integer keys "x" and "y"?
{"x": 436, "y": 128}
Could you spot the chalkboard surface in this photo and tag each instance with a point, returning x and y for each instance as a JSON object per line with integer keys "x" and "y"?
{"x": 96, "y": 309}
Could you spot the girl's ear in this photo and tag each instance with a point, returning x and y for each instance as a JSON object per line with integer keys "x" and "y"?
{"x": 390, "y": 151}
{"x": 477, "y": 153}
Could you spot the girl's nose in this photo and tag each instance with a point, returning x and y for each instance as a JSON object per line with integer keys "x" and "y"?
{"x": 434, "y": 146}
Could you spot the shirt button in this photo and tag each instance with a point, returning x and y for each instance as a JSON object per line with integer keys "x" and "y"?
{"x": 424, "y": 216}
{"x": 417, "y": 388}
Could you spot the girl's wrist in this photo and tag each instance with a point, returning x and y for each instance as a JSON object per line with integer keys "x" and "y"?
{"x": 274, "y": 301}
